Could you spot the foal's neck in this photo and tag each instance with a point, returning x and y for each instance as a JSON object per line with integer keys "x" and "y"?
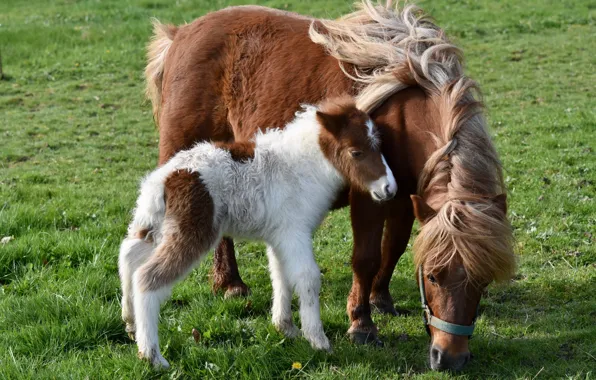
{"x": 298, "y": 144}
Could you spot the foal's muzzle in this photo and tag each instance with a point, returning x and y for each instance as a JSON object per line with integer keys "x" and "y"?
{"x": 384, "y": 188}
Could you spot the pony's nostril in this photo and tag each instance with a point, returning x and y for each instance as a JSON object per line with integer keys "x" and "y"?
{"x": 436, "y": 355}
{"x": 387, "y": 190}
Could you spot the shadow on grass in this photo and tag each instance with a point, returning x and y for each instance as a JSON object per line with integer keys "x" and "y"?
{"x": 527, "y": 327}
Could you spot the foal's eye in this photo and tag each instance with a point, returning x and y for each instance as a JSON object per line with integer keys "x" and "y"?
{"x": 432, "y": 279}
{"x": 356, "y": 153}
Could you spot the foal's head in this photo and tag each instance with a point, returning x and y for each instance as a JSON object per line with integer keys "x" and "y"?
{"x": 350, "y": 141}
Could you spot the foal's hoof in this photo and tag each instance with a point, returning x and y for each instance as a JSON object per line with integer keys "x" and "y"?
{"x": 321, "y": 343}
{"x": 157, "y": 361}
{"x": 365, "y": 337}
{"x": 131, "y": 329}
{"x": 238, "y": 290}
{"x": 289, "y": 329}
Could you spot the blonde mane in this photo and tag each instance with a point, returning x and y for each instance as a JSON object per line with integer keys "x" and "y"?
{"x": 390, "y": 49}
{"x": 382, "y": 41}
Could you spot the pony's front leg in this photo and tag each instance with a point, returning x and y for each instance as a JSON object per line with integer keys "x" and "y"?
{"x": 367, "y": 227}
{"x": 398, "y": 227}
{"x": 304, "y": 276}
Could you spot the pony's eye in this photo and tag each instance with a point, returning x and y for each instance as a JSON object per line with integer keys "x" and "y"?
{"x": 356, "y": 153}
{"x": 432, "y": 279}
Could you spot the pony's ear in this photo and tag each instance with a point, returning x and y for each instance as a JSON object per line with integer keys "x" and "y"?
{"x": 422, "y": 211}
{"x": 501, "y": 202}
{"x": 332, "y": 123}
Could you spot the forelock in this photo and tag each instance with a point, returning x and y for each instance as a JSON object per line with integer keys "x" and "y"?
{"x": 373, "y": 134}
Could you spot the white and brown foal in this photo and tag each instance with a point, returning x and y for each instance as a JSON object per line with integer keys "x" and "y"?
{"x": 277, "y": 189}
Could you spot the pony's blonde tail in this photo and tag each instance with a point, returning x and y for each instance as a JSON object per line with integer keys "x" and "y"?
{"x": 157, "y": 50}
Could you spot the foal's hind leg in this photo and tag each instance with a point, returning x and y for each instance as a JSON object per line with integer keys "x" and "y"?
{"x": 188, "y": 233}
{"x": 153, "y": 282}
{"x": 281, "y": 311}
{"x": 134, "y": 251}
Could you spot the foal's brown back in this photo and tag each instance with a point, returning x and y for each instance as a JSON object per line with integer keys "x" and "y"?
{"x": 260, "y": 69}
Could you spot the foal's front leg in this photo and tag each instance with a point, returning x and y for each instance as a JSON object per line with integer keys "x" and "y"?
{"x": 281, "y": 311}
{"x": 303, "y": 274}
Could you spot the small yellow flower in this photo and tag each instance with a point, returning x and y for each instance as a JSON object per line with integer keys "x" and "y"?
{"x": 297, "y": 365}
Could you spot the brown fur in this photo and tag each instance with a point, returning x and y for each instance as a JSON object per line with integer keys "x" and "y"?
{"x": 144, "y": 234}
{"x": 345, "y": 131}
{"x": 224, "y": 273}
{"x": 250, "y": 72}
{"x": 240, "y": 150}
{"x": 187, "y": 233}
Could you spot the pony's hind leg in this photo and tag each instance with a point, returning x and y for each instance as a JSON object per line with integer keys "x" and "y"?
{"x": 134, "y": 251}
{"x": 281, "y": 311}
{"x": 304, "y": 276}
{"x": 224, "y": 272}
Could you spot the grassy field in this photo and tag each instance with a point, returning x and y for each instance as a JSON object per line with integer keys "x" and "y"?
{"x": 76, "y": 136}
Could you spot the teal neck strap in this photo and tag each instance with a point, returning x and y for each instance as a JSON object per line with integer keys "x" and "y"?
{"x": 431, "y": 320}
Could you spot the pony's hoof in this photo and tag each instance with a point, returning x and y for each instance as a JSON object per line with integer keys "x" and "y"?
{"x": 385, "y": 306}
{"x": 238, "y": 290}
{"x": 365, "y": 337}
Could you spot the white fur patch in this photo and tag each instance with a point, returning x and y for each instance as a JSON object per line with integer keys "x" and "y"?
{"x": 385, "y": 187}
{"x": 280, "y": 196}
{"x": 373, "y": 136}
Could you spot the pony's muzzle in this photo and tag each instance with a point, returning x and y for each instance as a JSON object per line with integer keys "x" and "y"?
{"x": 441, "y": 360}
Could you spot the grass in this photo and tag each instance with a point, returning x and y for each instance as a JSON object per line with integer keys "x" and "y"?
{"x": 76, "y": 136}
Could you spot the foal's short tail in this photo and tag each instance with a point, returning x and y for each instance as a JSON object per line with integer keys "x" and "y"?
{"x": 163, "y": 36}
{"x": 151, "y": 205}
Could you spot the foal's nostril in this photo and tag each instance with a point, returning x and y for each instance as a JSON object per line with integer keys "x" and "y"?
{"x": 388, "y": 191}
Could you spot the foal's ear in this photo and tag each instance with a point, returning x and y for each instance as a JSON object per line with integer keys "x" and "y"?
{"x": 422, "y": 211}
{"x": 501, "y": 202}
{"x": 332, "y": 123}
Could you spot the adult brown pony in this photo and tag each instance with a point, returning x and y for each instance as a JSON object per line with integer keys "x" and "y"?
{"x": 238, "y": 69}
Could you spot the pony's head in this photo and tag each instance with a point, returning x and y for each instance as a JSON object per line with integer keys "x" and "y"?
{"x": 350, "y": 141}
{"x": 462, "y": 247}
{"x": 465, "y": 241}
